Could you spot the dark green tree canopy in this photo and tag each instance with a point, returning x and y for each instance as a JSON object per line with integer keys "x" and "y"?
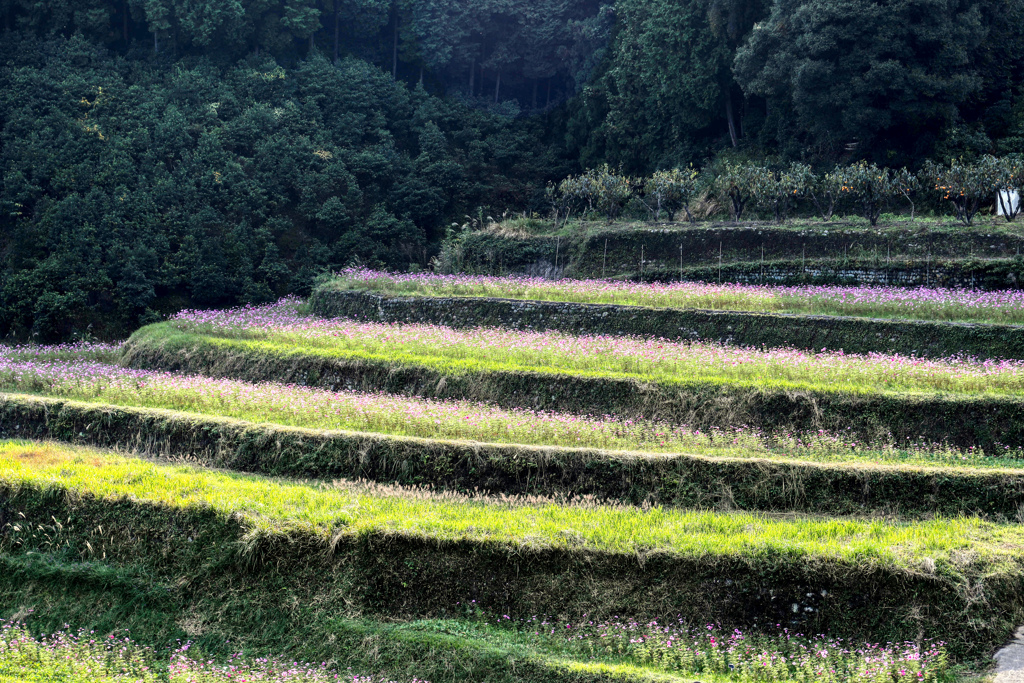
{"x": 879, "y": 74}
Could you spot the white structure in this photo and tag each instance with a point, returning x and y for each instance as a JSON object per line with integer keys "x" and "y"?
{"x": 1007, "y": 201}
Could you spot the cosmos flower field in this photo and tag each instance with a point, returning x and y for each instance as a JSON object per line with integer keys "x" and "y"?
{"x": 282, "y": 325}
{"x": 46, "y": 374}
{"x": 960, "y": 305}
{"x": 298, "y": 521}
{"x": 88, "y": 657}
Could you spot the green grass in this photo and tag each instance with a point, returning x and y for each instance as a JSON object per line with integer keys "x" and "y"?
{"x": 459, "y": 420}
{"x": 291, "y": 559}
{"x": 441, "y": 651}
{"x": 892, "y": 304}
{"x": 697, "y": 482}
{"x": 887, "y": 223}
{"x": 988, "y": 419}
{"x": 326, "y": 510}
{"x": 453, "y": 351}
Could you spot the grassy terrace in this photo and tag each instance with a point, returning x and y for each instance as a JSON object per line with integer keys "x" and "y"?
{"x": 872, "y": 398}
{"x": 397, "y": 415}
{"x": 77, "y": 657}
{"x": 374, "y": 546}
{"x": 280, "y": 329}
{"x": 938, "y": 304}
{"x": 853, "y": 223}
{"x": 323, "y": 510}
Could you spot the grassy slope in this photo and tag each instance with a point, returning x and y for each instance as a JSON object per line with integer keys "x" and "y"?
{"x": 980, "y": 421}
{"x": 467, "y": 351}
{"x": 108, "y": 599}
{"x": 326, "y": 510}
{"x": 199, "y": 533}
{"x": 711, "y": 298}
{"x": 853, "y": 334}
{"x": 635, "y": 478}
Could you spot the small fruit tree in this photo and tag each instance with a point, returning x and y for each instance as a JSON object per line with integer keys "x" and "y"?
{"x": 964, "y": 185}
{"x": 869, "y": 186}
{"x": 736, "y": 183}
{"x": 599, "y": 188}
{"x": 908, "y": 185}
{"x": 825, "y": 190}
{"x": 670, "y": 191}
{"x": 776, "y": 190}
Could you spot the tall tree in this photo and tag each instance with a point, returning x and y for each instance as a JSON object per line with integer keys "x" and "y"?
{"x": 870, "y": 76}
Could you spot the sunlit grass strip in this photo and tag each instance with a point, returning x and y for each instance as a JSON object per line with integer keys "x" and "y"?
{"x": 281, "y": 327}
{"x": 88, "y": 657}
{"x": 389, "y": 414}
{"x": 962, "y": 305}
{"x": 452, "y": 419}
{"x": 910, "y": 489}
{"x": 378, "y": 550}
{"x": 324, "y": 510}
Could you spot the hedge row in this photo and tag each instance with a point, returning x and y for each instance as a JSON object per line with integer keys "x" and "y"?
{"x": 987, "y": 422}
{"x": 851, "y": 334}
{"x": 633, "y": 478}
{"x": 301, "y": 575}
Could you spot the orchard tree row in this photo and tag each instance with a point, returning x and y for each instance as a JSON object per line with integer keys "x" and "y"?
{"x": 964, "y": 186}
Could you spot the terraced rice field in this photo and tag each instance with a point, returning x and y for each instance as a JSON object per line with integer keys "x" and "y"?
{"x": 286, "y": 497}
{"x": 255, "y": 521}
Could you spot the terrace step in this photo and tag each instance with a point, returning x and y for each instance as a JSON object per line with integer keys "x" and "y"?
{"x": 851, "y": 334}
{"x": 680, "y": 480}
{"x": 89, "y": 595}
{"x": 992, "y": 423}
{"x": 840, "y": 577}
{"x": 913, "y": 254}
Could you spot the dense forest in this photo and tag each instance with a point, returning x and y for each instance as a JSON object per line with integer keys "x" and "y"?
{"x": 160, "y": 154}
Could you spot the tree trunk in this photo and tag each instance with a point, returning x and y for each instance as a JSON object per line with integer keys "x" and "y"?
{"x": 472, "y": 77}
{"x": 535, "y": 95}
{"x": 421, "y": 75}
{"x": 497, "y": 87}
{"x": 547, "y": 102}
{"x": 394, "y": 52}
{"x": 156, "y": 42}
{"x": 312, "y": 44}
{"x": 124, "y": 23}
{"x": 729, "y": 116}
{"x": 337, "y": 28}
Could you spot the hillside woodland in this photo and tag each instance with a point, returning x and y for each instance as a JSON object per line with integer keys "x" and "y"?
{"x": 168, "y": 154}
